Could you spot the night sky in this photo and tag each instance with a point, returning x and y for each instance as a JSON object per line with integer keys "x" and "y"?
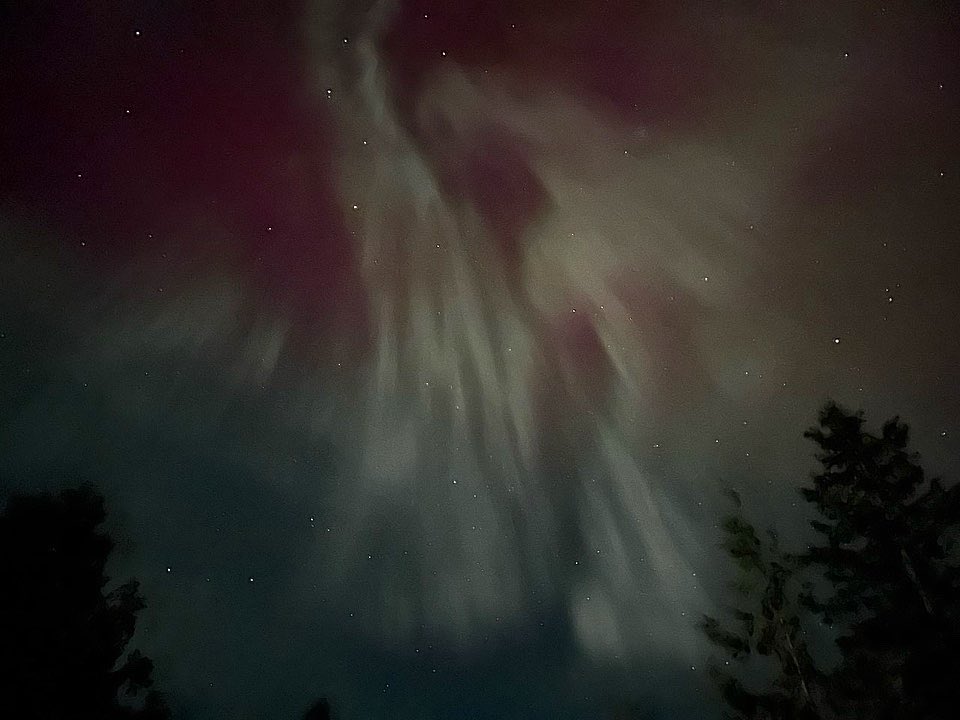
{"x": 412, "y": 342}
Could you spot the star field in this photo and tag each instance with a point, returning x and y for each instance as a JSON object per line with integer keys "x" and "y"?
{"x": 412, "y": 343}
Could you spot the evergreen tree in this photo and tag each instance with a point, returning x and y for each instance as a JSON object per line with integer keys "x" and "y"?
{"x": 63, "y": 649}
{"x": 767, "y": 626}
{"x": 892, "y": 574}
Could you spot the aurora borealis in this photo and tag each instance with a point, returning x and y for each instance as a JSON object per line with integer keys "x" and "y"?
{"x": 412, "y": 342}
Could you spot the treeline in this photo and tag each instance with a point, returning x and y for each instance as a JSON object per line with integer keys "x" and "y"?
{"x": 880, "y": 580}
{"x": 64, "y": 637}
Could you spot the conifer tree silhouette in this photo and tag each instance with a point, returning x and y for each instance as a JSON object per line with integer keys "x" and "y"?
{"x": 63, "y": 654}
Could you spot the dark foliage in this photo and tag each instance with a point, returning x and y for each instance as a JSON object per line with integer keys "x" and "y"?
{"x": 766, "y": 627}
{"x": 884, "y": 571}
{"x": 63, "y": 654}
{"x": 887, "y": 549}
